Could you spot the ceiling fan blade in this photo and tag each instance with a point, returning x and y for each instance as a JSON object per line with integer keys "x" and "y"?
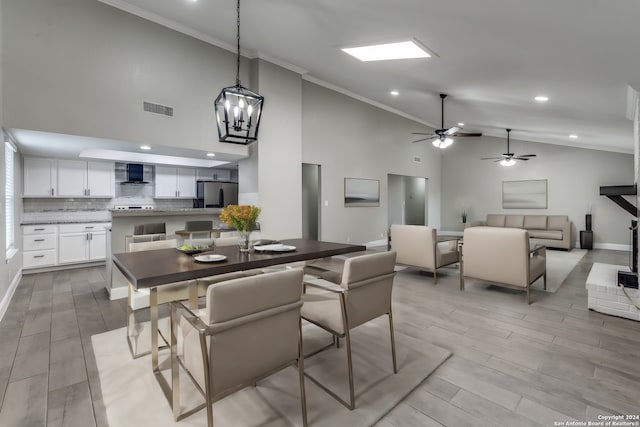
{"x": 423, "y": 139}
{"x": 463, "y": 134}
{"x": 492, "y": 158}
{"x": 421, "y": 133}
{"x": 451, "y": 131}
{"x": 521, "y": 158}
{"x": 527, "y": 155}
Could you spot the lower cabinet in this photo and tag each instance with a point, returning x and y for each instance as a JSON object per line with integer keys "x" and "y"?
{"x": 39, "y": 244}
{"x": 81, "y": 242}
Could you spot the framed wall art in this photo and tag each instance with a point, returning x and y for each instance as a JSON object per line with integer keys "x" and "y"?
{"x": 530, "y": 194}
{"x": 361, "y": 192}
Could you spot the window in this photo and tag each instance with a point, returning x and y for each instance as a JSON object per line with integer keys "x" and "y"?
{"x": 9, "y": 151}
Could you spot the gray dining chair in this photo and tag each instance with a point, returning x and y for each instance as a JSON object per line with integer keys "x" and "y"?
{"x": 339, "y": 303}
{"x": 250, "y": 328}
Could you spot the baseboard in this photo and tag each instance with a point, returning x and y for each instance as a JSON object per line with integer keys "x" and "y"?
{"x": 611, "y": 246}
{"x": 6, "y": 300}
{"x": 376, "y": 243}
{"x": 118, "y": 293}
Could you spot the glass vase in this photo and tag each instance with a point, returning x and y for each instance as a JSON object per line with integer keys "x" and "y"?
{"x": 244, "y": 240}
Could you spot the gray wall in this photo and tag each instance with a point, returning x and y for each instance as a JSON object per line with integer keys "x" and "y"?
{"x": 351, "y": 139}
{"x": 84, "y": 68}
{"x": 574, "y": 178}
{"x": 8, "y": 268}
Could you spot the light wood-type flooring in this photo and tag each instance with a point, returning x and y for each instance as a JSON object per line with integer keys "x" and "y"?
{"x": 512, "y": 364}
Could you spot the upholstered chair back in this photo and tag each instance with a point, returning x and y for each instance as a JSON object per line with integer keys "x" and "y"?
{"x": 497, "y": 255}
{"x": 368, "y": 281}
{"x": 253, "y": 328}
{"x": 153, "y": 245}
{"x": 415, "y": 245}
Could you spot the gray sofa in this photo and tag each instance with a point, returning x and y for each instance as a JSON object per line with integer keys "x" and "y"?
{"x": 553, "y": 231}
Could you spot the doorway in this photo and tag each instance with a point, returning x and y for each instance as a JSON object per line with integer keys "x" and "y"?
{"x": 311, "y": 201}
{"x": 408, "y": 198}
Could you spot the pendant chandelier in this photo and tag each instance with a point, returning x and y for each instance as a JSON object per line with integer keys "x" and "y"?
{"x": 238, "y": 109}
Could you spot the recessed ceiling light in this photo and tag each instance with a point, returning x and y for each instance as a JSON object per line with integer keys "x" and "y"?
{"x": 145, "y": 147}
{"x": 382, "y": 52}
{"x": 460, "y": 124}
{"x": 541, "y": 98}
{"x": 211, "y": 154}
{"x": 394, "y": 93}
{"x": 573, "y": 136}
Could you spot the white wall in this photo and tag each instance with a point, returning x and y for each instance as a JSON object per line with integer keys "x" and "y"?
{"x": 280, "y": 152}
{"x": 351, "y": 139}
{"x": 84, "y": 68}
{"x": 574, "y": 178}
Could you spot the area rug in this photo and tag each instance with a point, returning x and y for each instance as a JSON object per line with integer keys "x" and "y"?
{"x": 559, "y": 265}
{"x": 132, "y": 397}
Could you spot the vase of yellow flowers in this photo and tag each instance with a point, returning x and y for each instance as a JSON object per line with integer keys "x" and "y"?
{"x": 243, "y": 218}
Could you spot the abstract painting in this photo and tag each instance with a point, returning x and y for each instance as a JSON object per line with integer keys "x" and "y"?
{"x": 531, "y": 194}
{"x": 361, "y": 192}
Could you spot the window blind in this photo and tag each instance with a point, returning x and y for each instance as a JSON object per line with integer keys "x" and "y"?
{"x": 9, "y": 194}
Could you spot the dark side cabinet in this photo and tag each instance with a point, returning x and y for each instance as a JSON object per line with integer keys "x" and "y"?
{"x": 586, "y": 239}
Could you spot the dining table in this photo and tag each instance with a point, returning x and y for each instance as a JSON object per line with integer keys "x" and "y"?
{"x": 153, "y": 269}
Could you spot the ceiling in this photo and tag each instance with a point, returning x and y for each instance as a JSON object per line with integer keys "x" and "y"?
{"x": 493, "y": 57}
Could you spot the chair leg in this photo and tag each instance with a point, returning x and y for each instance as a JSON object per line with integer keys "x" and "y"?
{"x": 528, "y": 294}
{"x": 545, "y": 280}
{"x": 175, "y": 369}
{"x": 393, "y": 342}
{"x": 207, "y": 379}
{"x": 303, "y": 396}
{"x": 435, "y": 277}
{"x": 352, "y": 398}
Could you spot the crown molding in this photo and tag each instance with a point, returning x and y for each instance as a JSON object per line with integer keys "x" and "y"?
{"x": 171, "y": 24}
{"x": 366, "y": 100}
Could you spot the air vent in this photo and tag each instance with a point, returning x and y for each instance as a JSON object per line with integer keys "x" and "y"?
{"x": 417, "y": 159}
{"x": 157, "y": 108}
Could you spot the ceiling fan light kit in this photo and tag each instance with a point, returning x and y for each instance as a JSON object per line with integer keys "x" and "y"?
{"x": 509, "y": 158}
{"x": 443, "y": 138}
{"x": 238, "y": 109}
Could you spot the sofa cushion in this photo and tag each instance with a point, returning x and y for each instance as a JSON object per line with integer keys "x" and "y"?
{"x": 535, "y": 222}
{"x": 514, "y": 221}
{"x": 495, "y": 220}
{"x": 556, "y": 222}
{"x": 545, "y": 234}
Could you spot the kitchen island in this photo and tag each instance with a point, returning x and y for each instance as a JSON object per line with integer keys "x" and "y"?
{"x": 123, "y": 222}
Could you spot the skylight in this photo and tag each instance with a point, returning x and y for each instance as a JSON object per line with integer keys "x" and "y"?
{"x": 382, "y": 52}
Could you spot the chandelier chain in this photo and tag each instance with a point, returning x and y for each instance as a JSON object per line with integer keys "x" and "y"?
{"x": 238, "y": 40}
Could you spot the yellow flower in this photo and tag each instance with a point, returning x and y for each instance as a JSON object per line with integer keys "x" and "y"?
{"x": 240, "y": 217}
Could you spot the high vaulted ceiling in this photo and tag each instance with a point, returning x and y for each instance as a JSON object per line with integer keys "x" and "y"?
{"x": 494, "y": 57}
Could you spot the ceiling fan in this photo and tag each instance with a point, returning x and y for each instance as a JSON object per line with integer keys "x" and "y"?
{"x": 508, "y": 158}
{"x": 442, "y": 137}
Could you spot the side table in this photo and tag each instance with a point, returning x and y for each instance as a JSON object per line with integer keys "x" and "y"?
{"x": 586, "y": 239}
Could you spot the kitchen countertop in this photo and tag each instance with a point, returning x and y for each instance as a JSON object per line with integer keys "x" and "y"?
{"x": 164, "y": 212}
{"x": 62, "y": 221}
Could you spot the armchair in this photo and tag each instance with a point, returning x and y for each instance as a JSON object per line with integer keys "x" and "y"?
{"x": 417, "y": 246}
{"x": 361, "y": 294}
{"x": 502, "y": 256}
{"x": 250, "y": 329}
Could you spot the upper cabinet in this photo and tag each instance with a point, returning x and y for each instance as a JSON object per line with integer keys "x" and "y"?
{"x": 175, "y": 183}
{"x": 213, "y": 174}
{"x": 67, "y": 178}
{"x": 77, "y": 178}
{"x": 40, "y": 177}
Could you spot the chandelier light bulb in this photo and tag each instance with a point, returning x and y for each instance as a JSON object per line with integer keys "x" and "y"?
{"x": 507, "y": 162}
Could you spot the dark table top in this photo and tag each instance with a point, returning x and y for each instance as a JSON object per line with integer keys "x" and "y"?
{"x": 146, "y": 269}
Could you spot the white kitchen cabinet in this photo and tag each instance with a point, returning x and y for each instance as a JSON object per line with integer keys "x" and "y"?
{"x": 77, "y": 178}
{"x": 81, "y": 242}
{"x": 213, "y": 174}
{"x": 40, "y": 177}
{"x": 175, "y": 183}
{"x": 39, "y": 246}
